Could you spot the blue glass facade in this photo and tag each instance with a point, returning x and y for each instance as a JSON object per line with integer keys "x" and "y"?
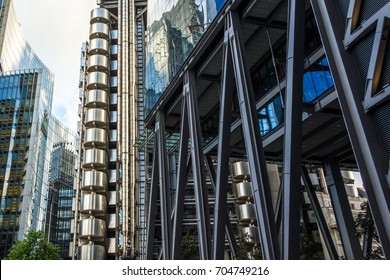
{"x": 174, "y": 28}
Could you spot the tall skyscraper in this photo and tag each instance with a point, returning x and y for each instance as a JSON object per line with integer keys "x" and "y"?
{"x": 110, "y": 169}
{"x": 28, "y": 133}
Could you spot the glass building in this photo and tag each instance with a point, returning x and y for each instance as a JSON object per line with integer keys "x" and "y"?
{"x": 174, "y": 28}
{"x": 28, "y": 133}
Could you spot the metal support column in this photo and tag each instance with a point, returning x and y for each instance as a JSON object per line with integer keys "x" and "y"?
{"x": 198, "y": 169}
{"x": 165, "y": 205}
{"x": 152, "y": 207}
{"x": 342, "y": 210}
{"x": 319, "y": 215}
{"x": 225, "y": 116}
{"x": 292, "y": 150}
{"x": 366, "y": 145}
{"x": 253, "y": 143}
{"x": 181, "y": 182}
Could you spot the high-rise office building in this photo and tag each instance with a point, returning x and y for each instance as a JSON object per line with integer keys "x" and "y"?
{"x": 110, "y": 169}
{"x": 28, "y": 133}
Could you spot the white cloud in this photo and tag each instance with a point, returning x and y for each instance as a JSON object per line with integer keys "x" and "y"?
{"x": 56, "y": 29}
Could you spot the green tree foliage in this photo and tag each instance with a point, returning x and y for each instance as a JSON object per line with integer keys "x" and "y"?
{"x": 34, "y": 246}
{"x": 189, "y": 245}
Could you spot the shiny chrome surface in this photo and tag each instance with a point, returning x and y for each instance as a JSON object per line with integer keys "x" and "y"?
{"x": 98, "y": 62}
{"x": 243, "y": 191}
{"x": 95, "y": 138}
{"x": 111, "y": 246}
{"x": 93, "y": 203}
{"x": 111, "y": 198}
{"x": 111, "y": 221}
{"x": 250, "y": 234}
{"x": 99, "y": 30}
{"x": 96, "y": 117}
{"x": 95, "y": 159}
{"x": 112, "y": 155}
{"x": 100, "y": 15}
{"x": 91, "y": 252}
{"x": 96, "y": 98}
{"x": 112, "y": 176}
{"x": 240, "y": 170}
{"x": 246, "y": 213}
{"x": 97, "y": 80}
{"x": 92, "y": 228}
{"x": 99, "y": 45}
{"x": 94, "y": 181}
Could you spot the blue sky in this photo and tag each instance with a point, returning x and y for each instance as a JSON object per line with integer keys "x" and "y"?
{"x": 56, "y": 29}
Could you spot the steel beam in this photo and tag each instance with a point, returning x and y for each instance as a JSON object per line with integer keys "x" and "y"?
{"x": 366, "y": 144}
{"x": 198, "y": 169}
{"x": 165, "y": 204}
{"x": 223, "y": 152}
{"x": 253, "y": 143}
{"x": 293, "y": 131}
{"x": 319, "y": 215}
{"x": 152, "y": 206}
{"x": 181, "y": 182}
{"x": 342, "y": 210}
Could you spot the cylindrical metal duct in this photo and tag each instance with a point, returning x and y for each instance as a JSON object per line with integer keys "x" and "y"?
{"x": 95, "y": 138}
{"x": 95, "y": 159}
{"x": 97, "y": 80}
{"x": 99, "y": 46}
{"x": 96, "y": 98}
{"x": 240, "y": 170}
{"x": 243, "y": 191}
{"x": 93, "y": 203}
{"x": 100, "y": 15}
{"x": 92, "y": 229}
{"x": 94, "y": 181}
{"x": 99, "y": 30}
{"x": 96, "y": 117}
{"x": 91, "y": 252}
{"x": 98, "y": 62}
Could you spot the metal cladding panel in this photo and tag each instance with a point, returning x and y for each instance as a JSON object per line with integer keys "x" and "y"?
{"x": 99, "y": 45}
{"x": 92, "y": 229}
{"x": 95, "y": 137}
{"x": 91, "y": 252}
{"x": 98, "y": 62}
{"x": 94, "y": 180}
{"x": 240, "y": 170}
{"x": 100, "y": 15}
{"x": 111, "y": 198}
{"x": 96, "y": 98}
{"x": 97, "y": 80}
{"x": 111, "y": 221}
{"x": 96, "y": 117}
{"x": 93, "y": 203}
{"x": 243, "y": 191}
{"x": 99, "y": 30}
{"x": 111, "y": 246}
{"x": 250, "y": 234}
{"x": 246, "y": 213}
{"x": 95, "y": 159}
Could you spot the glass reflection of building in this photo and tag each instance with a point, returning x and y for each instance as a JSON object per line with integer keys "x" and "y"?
{"x": 174, "y": 28}
{"x": 60, "y": 193}
{"x": 26, "y": 92}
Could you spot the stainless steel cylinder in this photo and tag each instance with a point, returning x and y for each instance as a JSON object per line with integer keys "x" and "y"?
{"x": 92, "y": 229}
{"x": 100, "y": 15}
{"x": 99, "y": 30}
{"x": 240, "y": 170}
{"x": 243, "y": 191}
{"x": 99, "y": 46}
{"x": 246, "y": 213}
{"x": 98, "y": 62}
{"x": 91, "y": 252}
{"x": 97, "y": 80}
{"x": 96, "y": 117}
{"x": 95, "y": 181}
{"x": 93, "y": 203}
{"x": 250, "y": 234}
{"x": 95, "y": 159}
{"x": 97, "y": 98}
{"x": 95, "y": 138}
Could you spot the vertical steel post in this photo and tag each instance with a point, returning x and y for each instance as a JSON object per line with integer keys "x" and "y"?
{"x": 319, "y": 215}
{"x": 198, "y": 169}
{"x": 253, "y": 143}
{"x": 165, "y": 204}
{"x": 364, "y": 139}
{"x": 225, "y": 116}
{"x": 342, "y": 210}
{"x": 293, "y": 131}
{"x": 152, "y": 206}
{"x": 181, "y": 182}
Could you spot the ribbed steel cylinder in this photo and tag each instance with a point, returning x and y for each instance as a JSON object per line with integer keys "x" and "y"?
{"x": 97, "y": 80}
{"x": 92, "y": 229}
{"x": 91, "y": 252}
{"x": 94, "y": 181}
{"x": 246, "y": 213}
{"x": 99, "y": 46}
{"x": 99, "y": 30}
{"x": 96, "y": 117}
{"x": 95, "y": 138}
{"x": 100, "y": 15}
{"x": 93, "y": 203}
{"x": 97, "y": 98}
{"x": 250, "y": 234}
{"x": 240, "y": 170}
{"x": 95, "y": 159}
{"x": 98, "y": 62}
{"x": 243, "y": 191}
